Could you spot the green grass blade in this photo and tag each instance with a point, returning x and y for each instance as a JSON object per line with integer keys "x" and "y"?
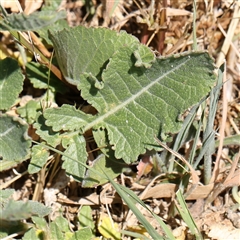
{"x": 185, "y": 214}
{"x": 214, "y": 96}
{"x": 232, "y": 140}
{"x": 129, "y": 201}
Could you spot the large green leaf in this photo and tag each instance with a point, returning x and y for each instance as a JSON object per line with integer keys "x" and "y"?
{"x": 36, "y": 20}
{"x": 81, "y": 49}
{"x": 14, "y": 142}
{"x": 57, "y": 26}
{"x": 136, "y": 97}
{"x": 55, "y": 232}
{"x": 136, "y": 103}
{"x": 11, "y": 82}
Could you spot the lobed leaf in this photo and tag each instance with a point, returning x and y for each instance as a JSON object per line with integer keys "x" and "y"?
{"x": 76, "y": 148}
{"x": 45, "y": 132}
{"x": 29, "y": 111}
{"x": 134, "y": 103}
{"x": 137, "y": 103}
{"x": 66, "y": 118}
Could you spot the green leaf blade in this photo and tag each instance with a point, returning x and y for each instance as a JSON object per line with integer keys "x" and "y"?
{"x": 11, "y": 82}
{"x": 45, "y": 132}
{"x": 38, "y": 76}
{"x": 76, "y": 148}
{"x": 88, "y": 50}
{"x": 66, "y": 118}
{"x": 14, "y": 142}
{"x": 136, "y": 97}
{"x": 138, "y": 103}
{"x": 18, "y": 210}
{"x": 36, "y": 20}
{"x": 38, "y": 160}
{"x": 103, "y": 165}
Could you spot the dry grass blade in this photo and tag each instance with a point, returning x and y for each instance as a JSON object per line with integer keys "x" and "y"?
{"x": 230, "y": 33}
{"x": 222, "y": 131}
{"x": 233, "y": 179}
{"x": 195, "y": 178}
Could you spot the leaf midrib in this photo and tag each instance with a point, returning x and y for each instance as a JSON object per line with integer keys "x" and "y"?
{"x": 101, "y": 118}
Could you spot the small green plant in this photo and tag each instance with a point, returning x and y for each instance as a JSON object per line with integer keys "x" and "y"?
{"x": 135, "y": 95}
{"x": 132, "y": 97}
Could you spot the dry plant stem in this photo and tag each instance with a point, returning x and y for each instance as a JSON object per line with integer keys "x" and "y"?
{"x": 233, "y": 125}
{"x": 39, "y": 186}
{"x": 233, "y": 167}
{"x": 195, "y": 177}
{"x": 42, "y": 175}
{"x": 230, "y": 34}
{"x": 162, "y": 32}
{"x": 42, "y": 59}
{"x": 194, "y": 25}
{"x": 177, "y": 45}
{"x": 231, "y": 43}
{"x": 222, "y": 130}
{"x": 143, "y": 194}
{"x": 55, "y": 168}
{"x": 39, "y": 45}
{"x": 231, "y": 181}
{"x": 6, "y": 184}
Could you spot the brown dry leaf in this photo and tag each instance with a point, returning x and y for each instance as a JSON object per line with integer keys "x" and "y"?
{"x": 164, "y": 190}
{"x": 234, "y": 180}
{"x": 145, "y": 166}
{"x": 195, "y": 178}
{"x": 167, "y": 190}
{"x": 200, "y": 192}
{"x": 177, "y": 12}
{"x": 220, "y": 231}
{"x": 13, "y": 6}
{"x": 32, "y": 6}
{"x": 180, "y": 233}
